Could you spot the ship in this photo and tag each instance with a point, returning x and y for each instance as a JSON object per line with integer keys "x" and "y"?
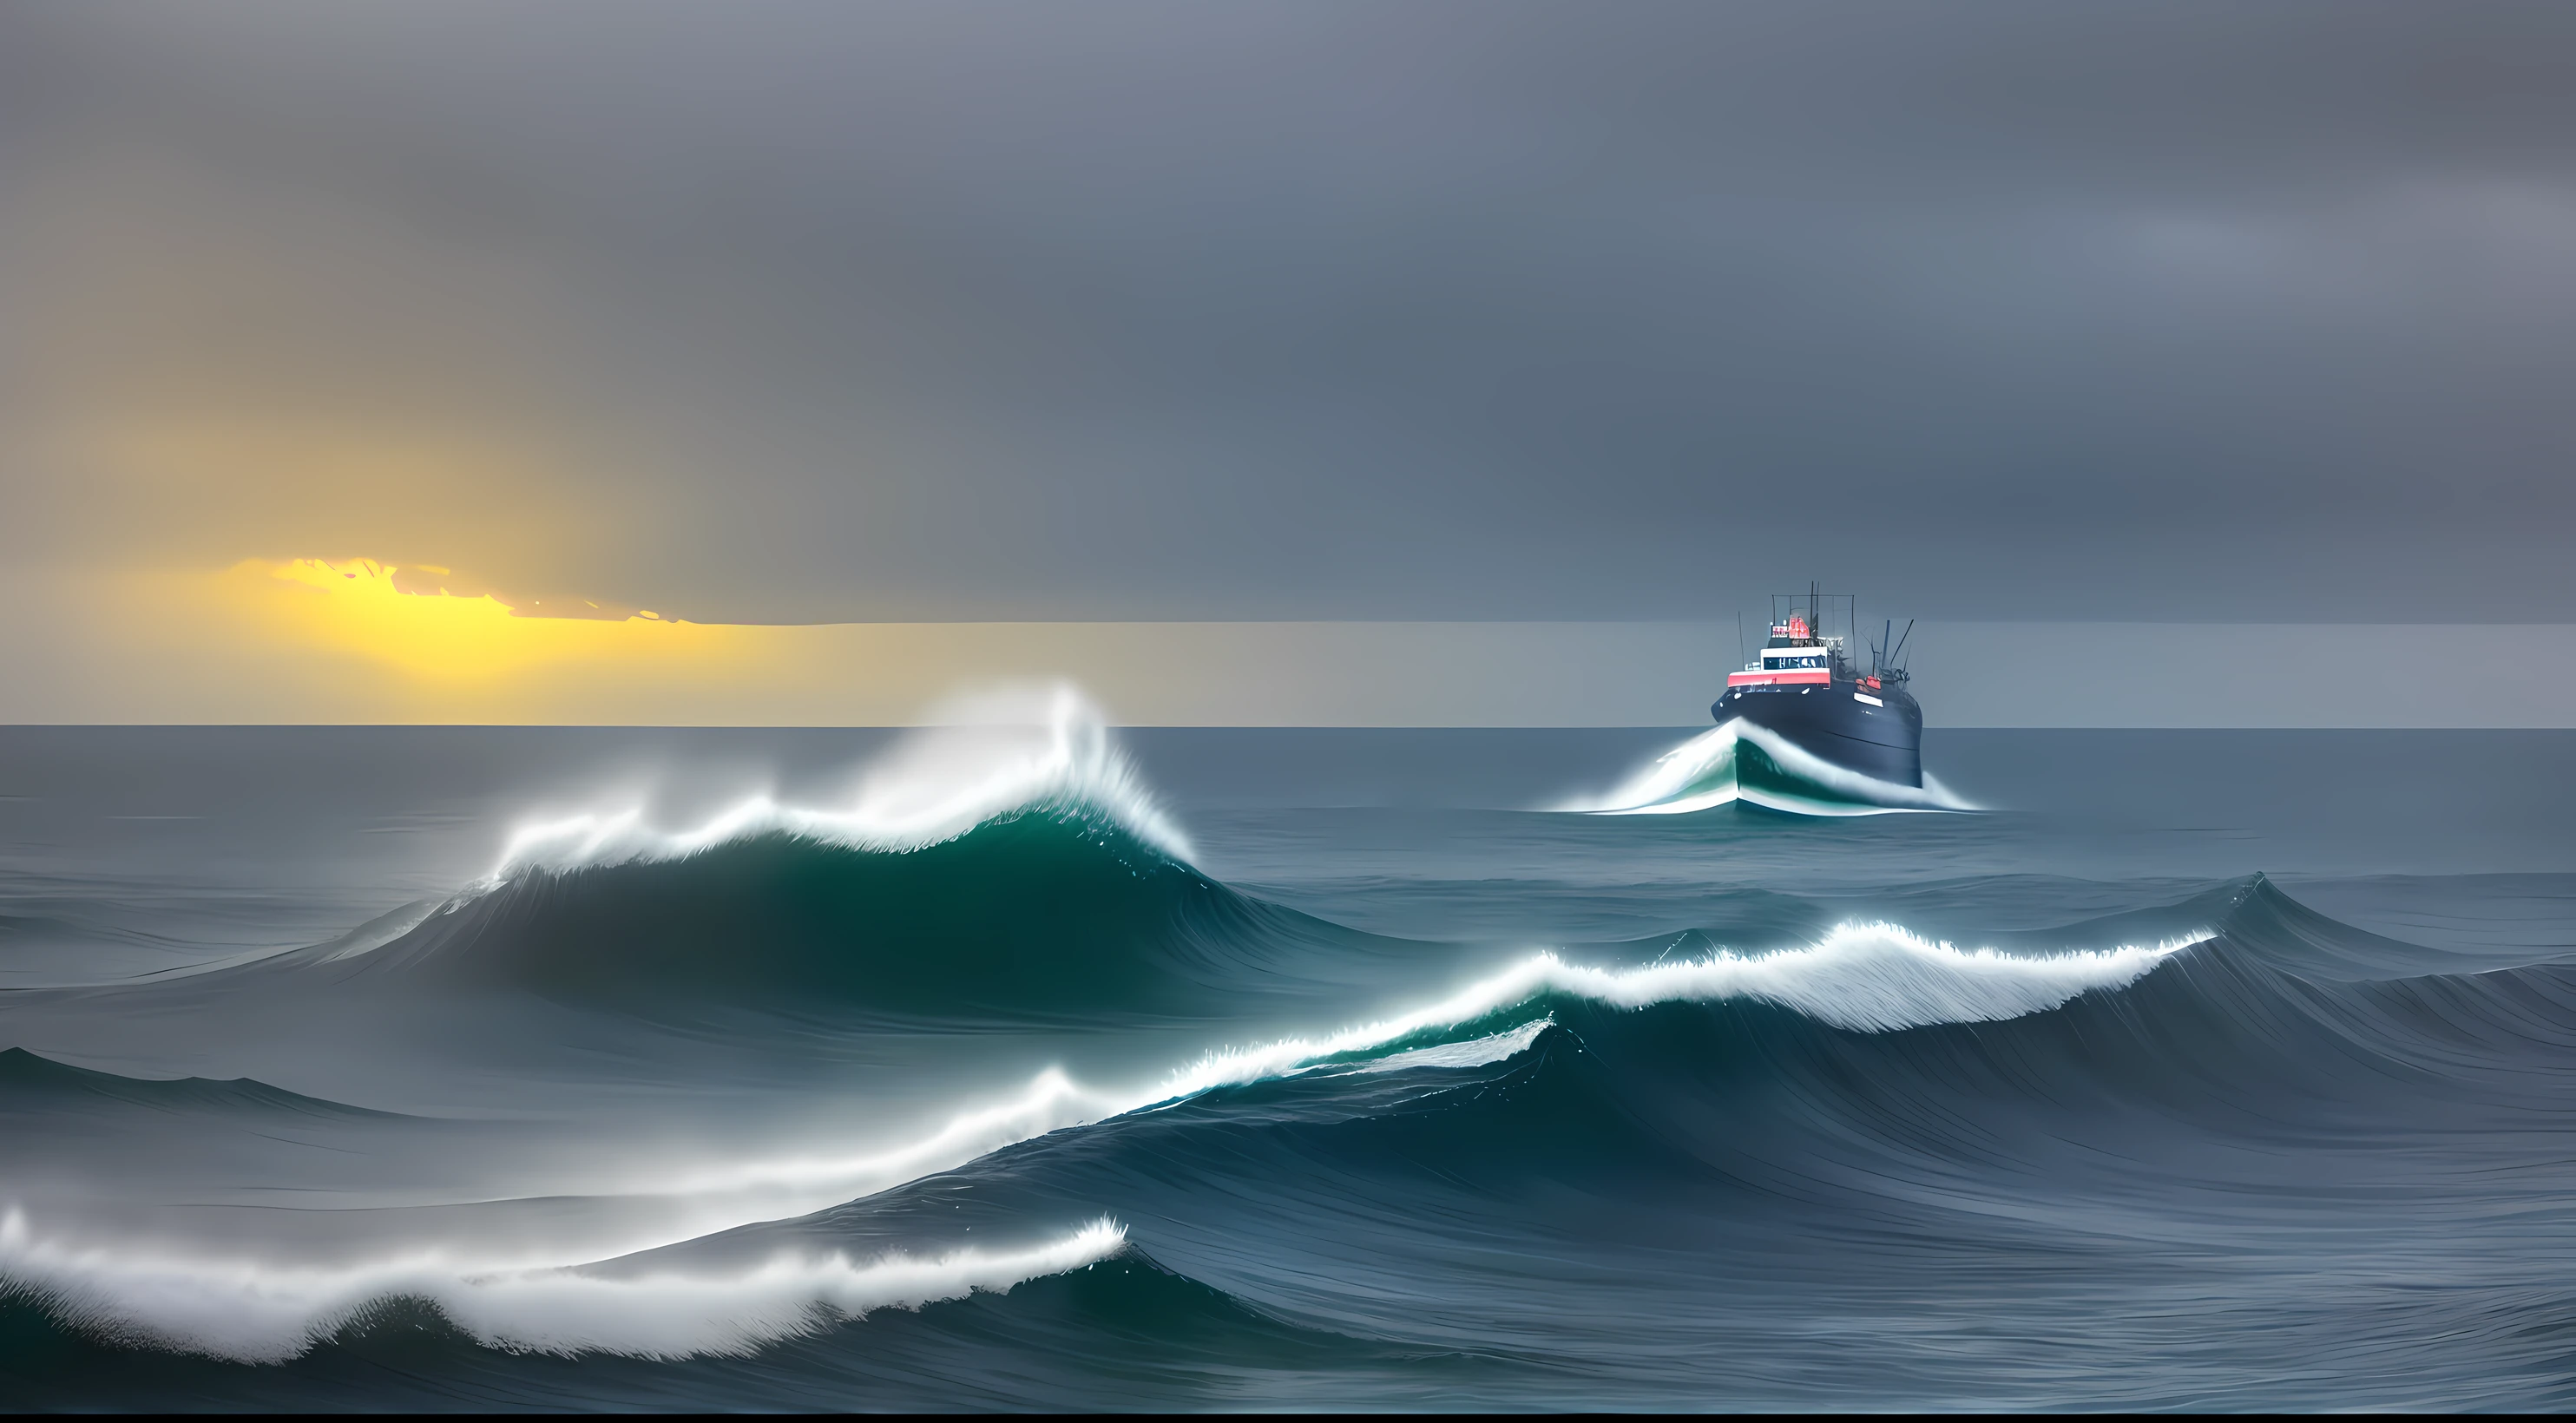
{"x": 1805, "y": 688}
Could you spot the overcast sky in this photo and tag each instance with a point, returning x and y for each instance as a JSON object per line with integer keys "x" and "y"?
{"x": 839, "y": 311}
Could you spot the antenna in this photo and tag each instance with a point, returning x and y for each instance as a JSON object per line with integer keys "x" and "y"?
{"x": 1739, "y": 637}
{"x": 1886, "y": 635}
{"x": 1900, "y": 642}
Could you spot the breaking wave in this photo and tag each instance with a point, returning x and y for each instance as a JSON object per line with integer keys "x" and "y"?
{"x": 1003, "y": 753}
{"x": 259, "y": 1312}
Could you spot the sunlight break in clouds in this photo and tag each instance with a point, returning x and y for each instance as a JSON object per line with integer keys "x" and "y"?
{"x": 412, "y": 619}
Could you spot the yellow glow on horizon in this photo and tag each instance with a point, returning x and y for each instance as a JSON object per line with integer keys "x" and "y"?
{"x": 359, "y": 606}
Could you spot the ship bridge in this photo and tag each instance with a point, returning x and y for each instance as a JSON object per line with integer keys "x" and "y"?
{"x": 1810, "y": 633}
{"x": 1786, "y": 667}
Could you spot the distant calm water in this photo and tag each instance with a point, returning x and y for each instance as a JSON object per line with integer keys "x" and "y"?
{"x": 1053, "y": 1068}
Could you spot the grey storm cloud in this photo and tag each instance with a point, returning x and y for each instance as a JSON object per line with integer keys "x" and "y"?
{"x": 1471, "y": 310}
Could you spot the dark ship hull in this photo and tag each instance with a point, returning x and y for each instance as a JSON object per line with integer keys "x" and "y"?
{"x": 1836, "y": 722}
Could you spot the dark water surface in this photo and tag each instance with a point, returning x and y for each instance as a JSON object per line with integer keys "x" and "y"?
{"x": 1037, "y": 1068}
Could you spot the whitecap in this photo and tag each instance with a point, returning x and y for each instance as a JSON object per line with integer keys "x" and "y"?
{"x": 267, "y": 1312}
{"x": 984, "y": 758}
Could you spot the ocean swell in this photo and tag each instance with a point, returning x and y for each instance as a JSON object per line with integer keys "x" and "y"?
{"x": 1860, "y": 1072}
{"x": 1869, "y": 977}
{"x": 1391, "y": 1120}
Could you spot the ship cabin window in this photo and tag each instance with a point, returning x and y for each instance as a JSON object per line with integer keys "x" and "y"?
{"x": 1784, "y": 661}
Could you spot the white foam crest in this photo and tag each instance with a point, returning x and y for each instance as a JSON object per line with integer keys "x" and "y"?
{"x": 1051, "y": 1102}
{"x": 1867, "y": 977}
{"x": 1475, "y": 1052}
{"x": 986, "y": 757}
{"x": 259, "y": 1312}
{"x": 1701, "y": 773}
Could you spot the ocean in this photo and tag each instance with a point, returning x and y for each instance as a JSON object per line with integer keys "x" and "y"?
{"x": 1039, "y": 1065}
